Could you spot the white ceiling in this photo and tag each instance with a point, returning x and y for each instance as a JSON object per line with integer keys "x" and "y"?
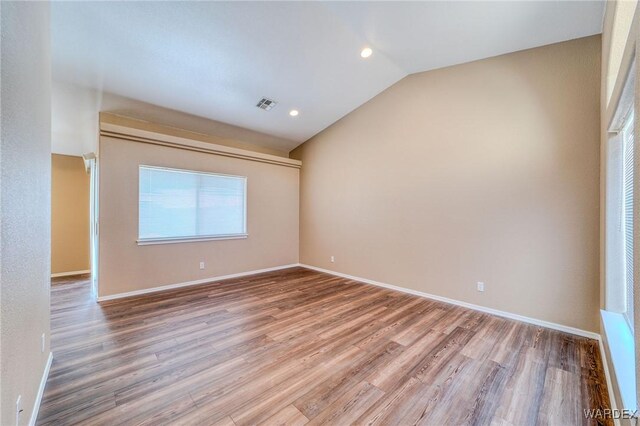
{"x": 217, "y": 59}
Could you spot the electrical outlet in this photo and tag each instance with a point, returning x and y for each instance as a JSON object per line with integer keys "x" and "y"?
{"x": 42, "y": 343}
{"x": 19, "y": 409}
{"x": 480, "y": 286}
{"x": 201, "y": 265}
{"x": 333, "y": 259}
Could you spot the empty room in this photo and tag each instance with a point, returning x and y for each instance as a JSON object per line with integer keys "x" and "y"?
{"x": 318, "y": 212}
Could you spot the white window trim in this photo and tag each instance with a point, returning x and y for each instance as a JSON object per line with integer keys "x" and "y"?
{"x": 152, "y": 241}
{"x": 617, "y": 331}
{"x": 196, "y": 238}
{"x": 615, "y": 270}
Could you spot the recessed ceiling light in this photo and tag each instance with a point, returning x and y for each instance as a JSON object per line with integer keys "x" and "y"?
{"x": 293, "y": 112}
{"x": 366, "y": 52}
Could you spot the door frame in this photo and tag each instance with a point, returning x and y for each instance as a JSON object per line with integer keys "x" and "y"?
{"x": 91, "y": 163}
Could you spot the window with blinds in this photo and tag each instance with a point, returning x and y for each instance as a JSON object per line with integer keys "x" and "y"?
{"x": 628, "y": 170}
{"x": 182, "y": 204}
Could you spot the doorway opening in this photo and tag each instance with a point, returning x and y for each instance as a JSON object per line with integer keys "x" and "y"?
{"x": 74, "y": 217}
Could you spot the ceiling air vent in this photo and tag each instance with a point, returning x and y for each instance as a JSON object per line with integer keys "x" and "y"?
{"x": 266, "y": 104}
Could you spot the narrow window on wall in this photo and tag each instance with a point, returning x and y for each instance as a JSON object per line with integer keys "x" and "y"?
{"x": 189, "y": 205}
{"x": 628, "y": 171}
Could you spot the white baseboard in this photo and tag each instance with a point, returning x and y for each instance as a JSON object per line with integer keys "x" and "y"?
{"x": 70, "y": 273}
{"x": 191, "y": 283}
{"x": 492, "y": 311}
{"x": 43, "y": 382}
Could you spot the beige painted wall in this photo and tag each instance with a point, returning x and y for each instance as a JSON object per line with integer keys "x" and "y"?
{"x": 272, "y": 220}
{"x": 486, "y": 171}
{"x": 25, "y": 184}
{"x": 69, "y": 214}
{"x": 616, "y": 32}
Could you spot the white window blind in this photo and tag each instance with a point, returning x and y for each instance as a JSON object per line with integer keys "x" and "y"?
{"x": 182, "y": 205}
{"x": 628, "y": 170}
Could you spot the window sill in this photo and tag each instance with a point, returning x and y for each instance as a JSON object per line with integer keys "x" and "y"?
{"x": 153, "y": 241}
{"x": 621, "y": 347}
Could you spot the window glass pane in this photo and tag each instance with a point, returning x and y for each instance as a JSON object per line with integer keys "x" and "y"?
{"x": 177, "y": 203}
{"x": 220, "y": 205}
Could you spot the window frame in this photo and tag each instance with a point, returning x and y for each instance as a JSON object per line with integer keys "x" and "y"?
{"x": 196, "y": 238}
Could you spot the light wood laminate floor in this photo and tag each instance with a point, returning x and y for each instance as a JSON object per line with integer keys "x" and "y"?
{"x": 301, "y": 347}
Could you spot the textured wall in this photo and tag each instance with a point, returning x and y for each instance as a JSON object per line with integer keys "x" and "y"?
{"x": 486, "y": 171}
{"x": 617, "y": 34}
{"x": 272, "y": 220}
{"x": 70, "y": 188}
{"x": 25, "y": 184}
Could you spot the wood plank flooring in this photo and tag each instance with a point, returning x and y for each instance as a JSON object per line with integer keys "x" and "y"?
{"x": 300, "y": 347}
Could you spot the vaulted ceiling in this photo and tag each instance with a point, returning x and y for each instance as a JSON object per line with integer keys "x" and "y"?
{"x": 215, "y": 60}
